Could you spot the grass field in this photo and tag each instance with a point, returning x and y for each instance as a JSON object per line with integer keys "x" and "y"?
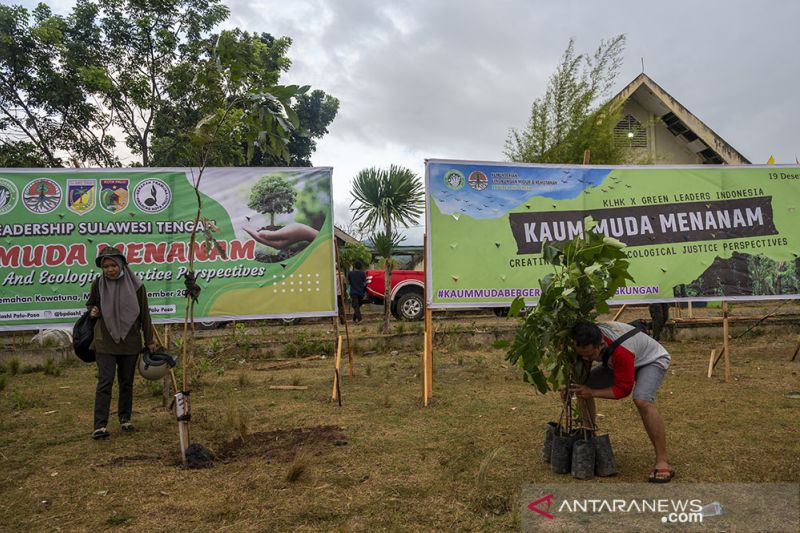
{"x": 294, "y": 461}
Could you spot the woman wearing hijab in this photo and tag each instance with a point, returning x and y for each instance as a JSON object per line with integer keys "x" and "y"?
{"x": 119, "y": 300}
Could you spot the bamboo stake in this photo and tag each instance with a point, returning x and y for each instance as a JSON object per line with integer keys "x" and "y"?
{"x": 183, "y": 434}
{"x": 165, "y": 384}
{"x": 619, "y": 312}
{"x": 337, "y": 361}
{"x": 689, "y": 309}
{"x": 423, "y": 369}
{"x": 711, "y": 362}
{"x": 725, "y": 341}
{"x": 427, "y": 339}
{"x": 796, "y": 349}
{"x": 429, "y": 359}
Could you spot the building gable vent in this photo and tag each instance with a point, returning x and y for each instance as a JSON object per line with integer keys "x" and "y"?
{"x": 629, "y": 132}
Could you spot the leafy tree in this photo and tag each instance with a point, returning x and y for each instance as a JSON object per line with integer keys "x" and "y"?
{"x": 352, "y": 252}
{"x": 315, "y": 112}
{"x": 575, "y": 113}
{"x": 382, "y": 199}
{"x": 44, "y": 101}
{"x": 21, "y": 154}
{"x": 139, "y": 44}
{"x": 254, "y": 63}
{"x": 155, "y": 70}
{"x": 272, "y": 194}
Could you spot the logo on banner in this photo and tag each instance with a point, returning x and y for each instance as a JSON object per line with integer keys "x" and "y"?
{"x": 478, "y": 180}
{"x": 454, "y": 179}
{"x": 81, "y": 196}
{"x": 41, "y": 196}
{"x": 152, "y": 195}
{"x": 8, "y": 196}
{"x": 113, "y": 195}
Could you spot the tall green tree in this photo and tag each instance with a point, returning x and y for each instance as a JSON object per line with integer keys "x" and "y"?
{"x": 44, "y": 101}
{"x": 575, "y": 114}
{"x": 140, "y": 43}
{"x": 382, "y": 200}
{"x": 253, "y": 64}
{"x": 155, "y": 70}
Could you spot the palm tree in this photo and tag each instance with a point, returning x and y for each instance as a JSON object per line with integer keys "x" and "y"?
{"x": 381, "y": 200}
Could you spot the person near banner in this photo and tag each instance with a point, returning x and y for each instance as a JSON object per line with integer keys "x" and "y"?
{"x": 285, "y": 236}
{"x": 637, "y": 364}
{"x": 659, "y": 313}
{"x": 340, "y": 288}
{"x": 119, "y": 300}
{"x": 357, "y": 280}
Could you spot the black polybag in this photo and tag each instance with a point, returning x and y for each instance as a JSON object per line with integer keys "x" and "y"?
{"x": 82, "y": 337}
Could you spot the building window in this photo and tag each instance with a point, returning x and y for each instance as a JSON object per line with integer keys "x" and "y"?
{"x": 629, "y": 132}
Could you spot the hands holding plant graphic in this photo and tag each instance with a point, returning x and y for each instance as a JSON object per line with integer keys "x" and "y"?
{"x": 285, "y": 236}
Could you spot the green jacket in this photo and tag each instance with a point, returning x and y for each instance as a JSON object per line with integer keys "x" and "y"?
{"x": 132, "y": 343}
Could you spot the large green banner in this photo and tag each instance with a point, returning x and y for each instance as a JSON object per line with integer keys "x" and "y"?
{"x": 693, "y": 232}
{"x": 272, "y": 231}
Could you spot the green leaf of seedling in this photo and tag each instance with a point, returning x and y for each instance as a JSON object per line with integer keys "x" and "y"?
{"x": 516, "y": 306}
{"x": 551, "y": 254}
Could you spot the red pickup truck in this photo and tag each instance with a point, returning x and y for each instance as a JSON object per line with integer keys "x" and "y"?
{"x": 408, "y": 292}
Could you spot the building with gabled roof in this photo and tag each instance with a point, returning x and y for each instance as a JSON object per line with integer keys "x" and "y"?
{"x": 658, "y": 129}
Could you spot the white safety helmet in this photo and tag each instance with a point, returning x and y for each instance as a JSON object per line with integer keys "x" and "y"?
{"x": 156, "y": 365}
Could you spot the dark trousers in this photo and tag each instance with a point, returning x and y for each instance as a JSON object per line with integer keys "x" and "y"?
{"x": 125, "y": 368}
{"x": 340, "y": 302}
{"x": 356, "y": 301}
{"x": 660, "y": 314}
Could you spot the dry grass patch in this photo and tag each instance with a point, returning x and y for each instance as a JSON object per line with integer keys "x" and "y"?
{"x": 379, "y": 462}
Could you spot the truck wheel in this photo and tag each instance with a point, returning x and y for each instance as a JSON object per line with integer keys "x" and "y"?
{"x": 210, "y": 324}
{"x": 410, "y": 306}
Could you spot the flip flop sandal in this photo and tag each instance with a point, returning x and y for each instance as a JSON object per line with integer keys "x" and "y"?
{"x": 661, "y": 475}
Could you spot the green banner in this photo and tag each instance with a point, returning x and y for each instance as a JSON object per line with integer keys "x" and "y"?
{"x": 273, "y": 228}
{"x": 694, "y": 233}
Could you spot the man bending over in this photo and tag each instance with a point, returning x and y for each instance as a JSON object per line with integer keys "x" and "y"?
{"x": 636, "y": 364}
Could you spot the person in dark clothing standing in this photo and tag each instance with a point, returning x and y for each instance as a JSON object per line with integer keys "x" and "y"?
{"x": 119, "y": 300}
{"x": 358, "y": 289}
{"x": 659, "y": 313}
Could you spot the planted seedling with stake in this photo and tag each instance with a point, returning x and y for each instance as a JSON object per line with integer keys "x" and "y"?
{"x": 587, "y": 271}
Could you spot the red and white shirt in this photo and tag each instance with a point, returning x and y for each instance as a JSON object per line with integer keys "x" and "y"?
{"x": 637, "y": 351}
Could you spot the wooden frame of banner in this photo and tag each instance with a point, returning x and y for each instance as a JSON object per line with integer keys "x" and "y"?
{"x": 714, "y": 358}
{"x": 426, "y": 364}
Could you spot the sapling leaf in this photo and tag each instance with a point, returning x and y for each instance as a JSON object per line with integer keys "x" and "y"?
{"x": 516, "y": 306}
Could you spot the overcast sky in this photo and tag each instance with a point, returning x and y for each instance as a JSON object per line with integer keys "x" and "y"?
{"x": 447, "y": 79}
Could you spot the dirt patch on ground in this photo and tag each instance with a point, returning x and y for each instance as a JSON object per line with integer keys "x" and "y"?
{"x": 281, "y": 445}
